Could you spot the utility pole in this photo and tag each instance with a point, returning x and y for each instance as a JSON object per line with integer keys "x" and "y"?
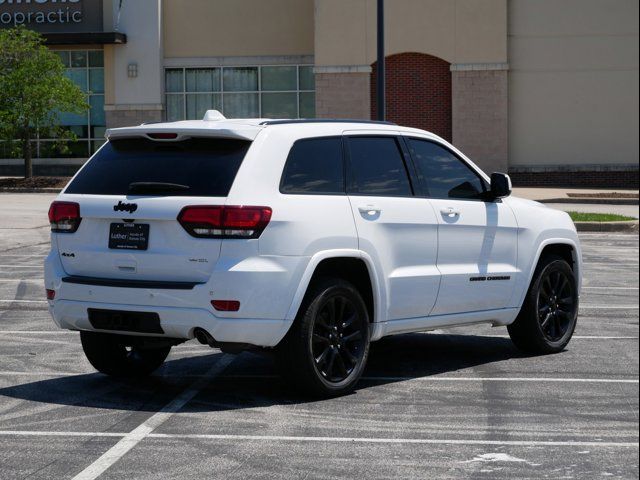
{"x": 380, "y": 64}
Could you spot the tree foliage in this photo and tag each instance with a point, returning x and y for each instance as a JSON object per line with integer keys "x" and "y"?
{"x": 33, "y": 92}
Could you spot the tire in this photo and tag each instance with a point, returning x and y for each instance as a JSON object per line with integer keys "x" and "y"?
{"x": 549, "y": 313}
{"x": 122, "y": 356}
{"x": 323, "y": 354}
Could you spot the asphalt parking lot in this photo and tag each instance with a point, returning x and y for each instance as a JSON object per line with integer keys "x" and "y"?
{"x": 460, "y": 403}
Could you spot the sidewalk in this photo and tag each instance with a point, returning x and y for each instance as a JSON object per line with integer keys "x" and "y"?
{"x": 573, "y": 204}
{"x": 540, "y": 194}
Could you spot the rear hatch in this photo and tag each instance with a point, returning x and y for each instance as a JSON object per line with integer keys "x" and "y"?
{"x": 130, "y": 195}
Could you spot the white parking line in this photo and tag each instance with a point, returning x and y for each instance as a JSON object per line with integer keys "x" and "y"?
{"x": 308, "y": 439}
{"x": 432, "y": 332}
{"x": 36, "y": 332}
{"x": 610, "y": 288}
{"x": 34, "y": 280}
{"x": 611, "y": 307}
{"x": 368, "y": 378}
{"x": 138, "y": 434}
{"x": 23, "y": 301}
{"x": 503, "y": 379}
{"x": 9, "y": 373}
{"x": 575, "y": 337}
{"x": 611, "y": 264}
{"x": 37, "y": 433}
{"x": 22, "y": 266}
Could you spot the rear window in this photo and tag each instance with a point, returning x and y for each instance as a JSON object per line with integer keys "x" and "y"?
{"x": 207, "y": 166}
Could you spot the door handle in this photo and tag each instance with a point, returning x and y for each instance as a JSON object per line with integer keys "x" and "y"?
{"x": 370, "y": 210}
{"x": 450, "y": 212}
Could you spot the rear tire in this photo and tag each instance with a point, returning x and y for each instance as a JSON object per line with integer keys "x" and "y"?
{"x": 549, "y": 313}
{"x": 326, "y": 349}
{"x": 122, "y": 356}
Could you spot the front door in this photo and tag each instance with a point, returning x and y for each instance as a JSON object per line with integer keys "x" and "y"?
{"x": 477, "y": 239}
{"x": 396, "y": 229}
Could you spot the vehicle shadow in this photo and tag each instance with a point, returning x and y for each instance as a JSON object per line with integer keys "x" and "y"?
{"x": 252, "y": 379}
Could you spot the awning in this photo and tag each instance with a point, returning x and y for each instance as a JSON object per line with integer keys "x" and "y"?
{"x": 85, "y": 38}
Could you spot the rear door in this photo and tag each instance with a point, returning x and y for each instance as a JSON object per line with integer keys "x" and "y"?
{"x": 397, "y": 229}
{"x": 130, "y": 195}
{"x": 477, "y": 239}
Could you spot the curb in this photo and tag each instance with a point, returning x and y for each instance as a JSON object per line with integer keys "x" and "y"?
{"x": 624, "y": 227}
{"x": 592, "y": 201}
{"x": 30, "y": 190}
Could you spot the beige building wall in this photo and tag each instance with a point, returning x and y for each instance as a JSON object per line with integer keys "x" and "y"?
{"x": 573, "y": 82}
{"x": 235, "y": 28}
{"x": 469, "y": 34}
{"x": 458, "y": 31}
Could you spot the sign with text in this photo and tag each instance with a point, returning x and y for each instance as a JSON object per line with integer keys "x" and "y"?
{"x": 52, "y": 16}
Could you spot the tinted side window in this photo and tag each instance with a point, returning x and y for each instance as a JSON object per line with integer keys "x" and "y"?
{"x": 378, "y": 167}
{"x": 207, "y": 166}
{"x": 444, "y": 174}
{"x": 314, "y": 165}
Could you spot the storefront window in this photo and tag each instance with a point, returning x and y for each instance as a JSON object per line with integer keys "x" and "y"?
{"x": 86, "y": 69}
{"x": 286, "y": 91}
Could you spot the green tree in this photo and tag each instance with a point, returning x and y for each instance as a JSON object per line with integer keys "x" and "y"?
{"x": 33, "y": 92}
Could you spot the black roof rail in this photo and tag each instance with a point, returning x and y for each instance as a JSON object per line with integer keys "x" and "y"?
{"x": 324, "y": 120}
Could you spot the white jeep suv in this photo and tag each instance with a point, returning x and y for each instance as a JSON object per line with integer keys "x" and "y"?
{"x": 310, "y": 237}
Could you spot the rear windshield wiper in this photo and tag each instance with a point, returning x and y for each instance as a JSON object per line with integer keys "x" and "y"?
{"x": 155, "y": 187}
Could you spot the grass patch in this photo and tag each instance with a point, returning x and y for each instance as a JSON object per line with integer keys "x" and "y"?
{"x": 598, "y": 217}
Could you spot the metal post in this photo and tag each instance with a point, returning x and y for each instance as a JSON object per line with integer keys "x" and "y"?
{"x": 380, "y": 66}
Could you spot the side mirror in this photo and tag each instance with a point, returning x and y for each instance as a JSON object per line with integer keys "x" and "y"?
{"x": 500, "y": 185}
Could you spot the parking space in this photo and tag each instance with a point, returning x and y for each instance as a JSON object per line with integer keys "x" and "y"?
{"x": 456, "y": 403}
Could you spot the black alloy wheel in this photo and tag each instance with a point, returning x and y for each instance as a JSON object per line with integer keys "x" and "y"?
{"x": 338, "y": 340}
{"x": 549, "y": 314}
{"x": 556, "y": 304}
{"x": 326, "y": 349}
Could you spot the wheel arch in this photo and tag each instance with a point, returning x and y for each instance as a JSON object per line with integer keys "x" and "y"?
{"x": 564, "y": 247}
{"x": 349, "y": 265}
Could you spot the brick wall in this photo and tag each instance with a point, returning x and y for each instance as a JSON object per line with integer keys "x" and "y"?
{"x": 342, "y": 95}
{"x": 418, "y": 92}
{"x": 480, "y": 112}
{"x": 578, "y": 179}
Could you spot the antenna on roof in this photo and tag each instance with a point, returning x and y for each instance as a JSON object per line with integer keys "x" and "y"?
{"x": 213, "y": 115}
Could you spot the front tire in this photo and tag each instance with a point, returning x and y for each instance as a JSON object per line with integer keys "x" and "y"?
{"x": 122, "y": 356}
{"x": 549, "y": 314}
{"x": 326, "y": 349}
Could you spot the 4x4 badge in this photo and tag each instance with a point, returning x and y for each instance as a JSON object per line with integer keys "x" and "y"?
{"x": 125, "y": 207}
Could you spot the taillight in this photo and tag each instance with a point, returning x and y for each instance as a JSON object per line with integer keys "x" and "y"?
{"x": 51, "y": 294}
{"x": 64, "y": 217}
{"x": 224, "y": 222}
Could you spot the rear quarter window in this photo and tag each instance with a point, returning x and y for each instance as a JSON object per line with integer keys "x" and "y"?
{"x": 207, "y": 166}
{"x": 314, "y": 166}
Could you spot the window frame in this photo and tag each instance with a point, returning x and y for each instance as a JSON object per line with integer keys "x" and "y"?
{"x": 342, "y": 158}
{"x": 41, "y": 142}
{"x": 299, "y": 91}
{"x": 423, "y": 182}
{"x": 409, "y": 168}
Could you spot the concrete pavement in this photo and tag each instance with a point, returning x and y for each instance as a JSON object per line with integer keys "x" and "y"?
{"x": 458, "y": 403}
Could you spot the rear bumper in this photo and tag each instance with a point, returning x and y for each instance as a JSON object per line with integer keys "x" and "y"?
{"x": 263, "y": 285}
{"x": 177, "y": 322}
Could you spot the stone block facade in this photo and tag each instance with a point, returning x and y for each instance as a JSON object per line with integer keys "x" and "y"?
{"x": 126, "y": 116}
{"x": 480, "y": 114}
{"x": 342, "y": 94}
